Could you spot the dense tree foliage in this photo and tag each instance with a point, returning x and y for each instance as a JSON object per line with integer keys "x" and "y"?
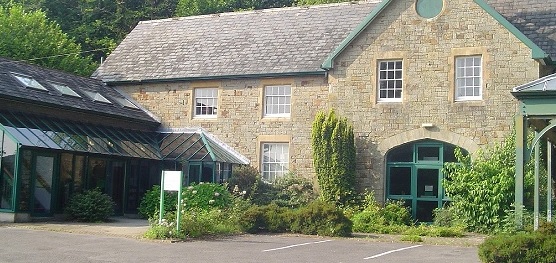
{"x": 30, "y": 36}
{"x": 334, "y": 157}
{"x": 100, "y": 25}
{"x": 482, "y": 188}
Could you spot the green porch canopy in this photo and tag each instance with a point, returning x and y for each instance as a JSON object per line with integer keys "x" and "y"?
{"x": 537, "y": 110}
{"x": 186, "y": 145}
{"x": 182, "y": 145}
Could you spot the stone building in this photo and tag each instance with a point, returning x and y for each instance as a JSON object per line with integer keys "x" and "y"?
{"x": 417, "y": 78}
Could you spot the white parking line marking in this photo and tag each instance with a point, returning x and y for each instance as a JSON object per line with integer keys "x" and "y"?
{"x": 392, "y": 251}
{"x": 304, "y": 244}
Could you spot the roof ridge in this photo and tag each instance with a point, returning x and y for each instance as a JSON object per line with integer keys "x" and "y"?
{"x": 259, "y": 11}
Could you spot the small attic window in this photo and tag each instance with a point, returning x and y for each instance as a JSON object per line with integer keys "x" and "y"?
{"x": 65, "y": 90}
{"x": 95, "y": 96}
{"x": 29, "y": 82}
{"x": 126, "y": 103}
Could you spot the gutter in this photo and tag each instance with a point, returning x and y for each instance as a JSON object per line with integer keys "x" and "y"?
{"x": 241, "y": 76}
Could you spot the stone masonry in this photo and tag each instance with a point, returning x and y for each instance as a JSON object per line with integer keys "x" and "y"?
{"x": 426, "y": 46}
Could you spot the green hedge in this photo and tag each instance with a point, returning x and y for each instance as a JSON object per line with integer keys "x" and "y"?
{"x": 317, "y": 218}
{"x": 532, "y": 247}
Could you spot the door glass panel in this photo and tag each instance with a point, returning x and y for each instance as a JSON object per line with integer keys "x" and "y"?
{"x": 97, "y": 174}
{"x": 208, "y": 172}
{"x": 194, "y": 173}
{"x": 8, "y": 155}
{"x": 66, "y": 181}
{"x": 427, "y": 183}
{"x": 402, "y": 153}
{"x": 428, "y": 153}
{"x": 117, "y": 186}
{"x": 425, "y": 210}
{"x": 400, "y": 181}
{"x": 44, "y": 171}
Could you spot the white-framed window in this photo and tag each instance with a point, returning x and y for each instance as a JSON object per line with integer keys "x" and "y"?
{"x": 469, "y": 81}
{"x": 390, "y": 80}
{"x": 275, "y": 160}
{"x": 277, "y": 101}
{"x": 206, "y": 102}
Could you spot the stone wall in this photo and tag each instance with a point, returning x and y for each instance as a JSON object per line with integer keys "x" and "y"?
{"x": 427, "y": 48}
{"x": 240, "y": 122}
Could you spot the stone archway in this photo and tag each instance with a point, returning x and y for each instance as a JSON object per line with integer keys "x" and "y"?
{"x": 430, "y": 133}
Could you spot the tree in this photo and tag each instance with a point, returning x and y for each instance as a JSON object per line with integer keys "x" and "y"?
{"x": 334, "y": 158}
{"x": 203, "y": 7}
{"x": 100, "y": 25}
{"x": 482, "y": 189}
{"x": 30, "y": 36}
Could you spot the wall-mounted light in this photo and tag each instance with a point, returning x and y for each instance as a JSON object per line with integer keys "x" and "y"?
{"x": 427, "y": 125}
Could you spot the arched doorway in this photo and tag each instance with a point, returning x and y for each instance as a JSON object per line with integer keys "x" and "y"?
{"x": 414, "y": 175}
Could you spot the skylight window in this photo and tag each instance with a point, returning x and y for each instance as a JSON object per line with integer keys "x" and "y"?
{"x": 29, "y": 82}
{"x": 65, "y": 90}
{"x": 95, "y": 96}
{"x": 126, "y": 103}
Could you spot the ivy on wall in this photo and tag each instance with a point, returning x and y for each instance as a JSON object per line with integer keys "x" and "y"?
{"x": 334, "y": 157}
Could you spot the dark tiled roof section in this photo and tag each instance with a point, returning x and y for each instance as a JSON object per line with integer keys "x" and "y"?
{"x": 271, "y": 41}
{"x": 12, "y": 89}
{"x": 535, "y": 18}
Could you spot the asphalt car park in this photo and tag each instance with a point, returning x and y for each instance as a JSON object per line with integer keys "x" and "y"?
{"x": 31, "y": 245}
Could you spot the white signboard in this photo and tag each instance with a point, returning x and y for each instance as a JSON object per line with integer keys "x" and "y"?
{"x": 172, "y": 180}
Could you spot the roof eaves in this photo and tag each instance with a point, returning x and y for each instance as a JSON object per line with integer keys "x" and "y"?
{"x": 329, "y": 62}
{"x": 241, "y": 76}
{"x": 73, "y": 109}
{"x": 536, "y": 51}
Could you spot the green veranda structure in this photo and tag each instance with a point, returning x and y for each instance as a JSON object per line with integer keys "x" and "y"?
{"x": 61, "y": 134}
{"x": 537, "y": 113}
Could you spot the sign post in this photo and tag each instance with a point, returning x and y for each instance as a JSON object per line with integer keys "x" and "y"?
{"x": 171, "y": 181}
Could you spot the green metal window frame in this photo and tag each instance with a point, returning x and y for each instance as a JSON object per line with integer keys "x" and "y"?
{"x": 415, "y": 165}
{"x": 56, "y": 134}
{"x": 15, "y": 171}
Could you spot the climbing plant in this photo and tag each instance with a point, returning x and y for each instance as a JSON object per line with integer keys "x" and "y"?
{"x": 334, "y": 158}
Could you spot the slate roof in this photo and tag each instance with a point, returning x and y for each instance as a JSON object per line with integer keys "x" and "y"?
{"x": 536, "y": 19}
{"x": 12, "y": 89}
{"x": 272, "y": 41}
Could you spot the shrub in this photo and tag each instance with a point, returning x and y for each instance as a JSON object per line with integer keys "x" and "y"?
{"x": 374, "y": 218}
{"x": 194, "y": 223}
{"x": 290, "y": 191}
{"x": 90, "y": 206}
{"x": 271, "y": 218}
{"x": 149, "y": 206}
{"x": 396, "y": 213}
{"x": 254, "y": 219}
{"x": 482, "y": 188}
{"x": 320, "y": 218}
{"x": 206, "y": 196}
{"x": 521, "y": 247}
{"x": 244, "y": 178}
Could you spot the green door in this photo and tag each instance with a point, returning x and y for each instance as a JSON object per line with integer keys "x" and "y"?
{"x": 43, "y": 184}
{"x": 414, "y": 175}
